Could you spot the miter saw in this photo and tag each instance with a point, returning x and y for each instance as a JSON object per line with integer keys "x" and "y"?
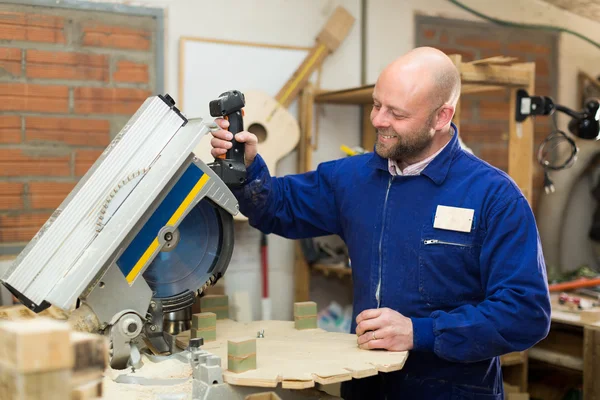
{"x": 146, "y": 230}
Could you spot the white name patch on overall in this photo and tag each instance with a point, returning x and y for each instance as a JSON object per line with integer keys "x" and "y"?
{"x": 453, "y": 218}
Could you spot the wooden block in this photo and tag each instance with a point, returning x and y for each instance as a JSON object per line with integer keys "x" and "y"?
{"x": 36, "y": 345}
{"x": 44, "y": 385}
{"x": 305, "y": 308}
{"x": 208, "y": 334}
{"x": 305, "y": 322}
{"x": 217, "y": 304}
{"x": 204, "y": 320}
{"x": 590, "y": 316}
{"x": 214, "y": 300}
{"x": 88, "y": 391}
{"x": 90, "y": 357}
{"x": 241, "y": 354}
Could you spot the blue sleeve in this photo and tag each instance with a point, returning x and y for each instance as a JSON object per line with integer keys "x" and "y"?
{"x": 293, "y": 206}
{"x": 515, "y": 314}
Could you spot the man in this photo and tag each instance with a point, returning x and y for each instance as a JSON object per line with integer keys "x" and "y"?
{"x": 446, "y": 258}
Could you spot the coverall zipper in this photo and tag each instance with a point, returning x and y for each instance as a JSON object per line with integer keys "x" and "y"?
{"x": 378, "y": 292}
{"x": 435, "y": 241}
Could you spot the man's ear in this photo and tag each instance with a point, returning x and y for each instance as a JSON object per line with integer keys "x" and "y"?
{"x": 444, "y": 116}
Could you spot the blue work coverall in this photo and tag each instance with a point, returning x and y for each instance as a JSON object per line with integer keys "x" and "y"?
{"x": 472, "y": 296}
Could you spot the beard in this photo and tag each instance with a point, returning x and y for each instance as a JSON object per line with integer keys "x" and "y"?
{"x": 408, "y": 145}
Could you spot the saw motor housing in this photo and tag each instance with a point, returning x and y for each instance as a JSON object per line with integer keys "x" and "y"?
{"x": 110, "y": 247}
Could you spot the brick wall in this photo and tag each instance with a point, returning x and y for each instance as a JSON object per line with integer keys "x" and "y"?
{"x": 484, "y": 117}
{"x": 69, "y": 81}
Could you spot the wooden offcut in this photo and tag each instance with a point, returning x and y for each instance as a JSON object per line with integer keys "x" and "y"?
{"x": 208, "y": 334}
{"x": 305, "y": 315}
{"x": 37, "y": 385}
{"x": 35, "y": 345}
{"x": 204, "y": 320}
{"x": 217, "y": 304}
{"x": 305, "y": 309}
{"x": 90, "y": 357}
{"x": 241, "y": 354}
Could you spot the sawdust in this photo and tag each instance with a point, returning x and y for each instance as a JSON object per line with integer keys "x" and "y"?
{"x": 167, "y": 369}
{"x": 123, "y": 391}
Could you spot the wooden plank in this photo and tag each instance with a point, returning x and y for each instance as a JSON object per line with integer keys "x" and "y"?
{"x": 495, "y": 75}
{"x": 471, "y": 88}
{"x": 358, "y": 95}
{"x": 556, "y": 358}
{"x": 591, "y": 361}
{"x": 495, "y": 60}
{"x": 340, "y": 272}
{"x": 299, "y": 359}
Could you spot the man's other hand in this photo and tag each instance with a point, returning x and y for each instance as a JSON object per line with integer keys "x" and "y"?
{"x": 384, "y": 328}
{"x": 221, "y": 141}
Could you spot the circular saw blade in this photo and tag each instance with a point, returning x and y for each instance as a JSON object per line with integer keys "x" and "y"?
{"x": 202, "y": 245}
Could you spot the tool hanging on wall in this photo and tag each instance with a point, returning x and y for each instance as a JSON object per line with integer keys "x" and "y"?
{"x": 584, "y": 124}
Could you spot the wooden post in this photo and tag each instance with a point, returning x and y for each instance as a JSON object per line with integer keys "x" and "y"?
{"x": 457, "y": 60}
{"x": 520, "y": 140}
{"x": 369, "y": 133}
{"x": 591, "y": 362}
{"x": 306, "y": 106}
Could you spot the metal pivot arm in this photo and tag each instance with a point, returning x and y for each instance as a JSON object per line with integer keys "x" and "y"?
{"x": 584, "y": 124}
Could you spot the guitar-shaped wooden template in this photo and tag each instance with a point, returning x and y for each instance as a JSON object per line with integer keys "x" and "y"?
{"x": 268, "y": 117}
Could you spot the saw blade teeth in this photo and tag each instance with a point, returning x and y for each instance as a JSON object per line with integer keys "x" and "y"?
{"x": 112, "y": 195}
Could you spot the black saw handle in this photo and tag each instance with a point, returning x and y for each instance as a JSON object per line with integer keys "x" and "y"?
{"x": 231, "y": 167}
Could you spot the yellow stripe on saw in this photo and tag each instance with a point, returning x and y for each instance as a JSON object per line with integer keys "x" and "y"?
{"x": 188, "y": 200}
{"x": 172, "y": 221}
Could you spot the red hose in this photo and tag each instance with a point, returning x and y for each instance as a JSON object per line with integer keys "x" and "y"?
{"x": 265, "y": 265}
{"x": 576, "y": 284}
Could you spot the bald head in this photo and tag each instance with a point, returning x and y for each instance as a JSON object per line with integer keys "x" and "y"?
{"x": 414, "y": 101}
{"x": 433, "y": 75}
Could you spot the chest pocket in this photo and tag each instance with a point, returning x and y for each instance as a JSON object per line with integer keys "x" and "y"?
{"x": 449, "y": 270}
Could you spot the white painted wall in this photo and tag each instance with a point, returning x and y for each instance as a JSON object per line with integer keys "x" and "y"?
{"x": 390, "y": 32}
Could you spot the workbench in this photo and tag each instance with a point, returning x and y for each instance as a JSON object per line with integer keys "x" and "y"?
{"x": 574, "y": 346}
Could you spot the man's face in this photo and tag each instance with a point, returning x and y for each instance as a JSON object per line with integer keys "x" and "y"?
{"x": 403, "y": 117}
{"x": 400, "y": 141}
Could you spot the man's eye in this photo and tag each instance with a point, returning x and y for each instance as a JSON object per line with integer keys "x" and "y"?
{"x": 376, "y": 106}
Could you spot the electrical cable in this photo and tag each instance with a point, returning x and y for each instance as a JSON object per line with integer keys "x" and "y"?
{"x": 525, "y": 26}
{"x": 555, "y": 139}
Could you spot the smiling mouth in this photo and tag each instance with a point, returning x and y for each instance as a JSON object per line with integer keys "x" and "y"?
{"x": 387, "y": 136}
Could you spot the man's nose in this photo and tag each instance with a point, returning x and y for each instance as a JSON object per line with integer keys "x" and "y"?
{"x": 379, "y": 119}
